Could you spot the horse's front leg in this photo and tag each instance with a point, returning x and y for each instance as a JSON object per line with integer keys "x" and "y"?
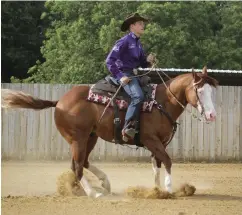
{"x": 159, "y": 152}
{"x": 168, "y": 184}
{"x": 156, "y": 165}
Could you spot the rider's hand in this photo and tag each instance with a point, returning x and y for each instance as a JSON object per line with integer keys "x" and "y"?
{"x": 151, "y": 58}
{"x": 124, "y": 80}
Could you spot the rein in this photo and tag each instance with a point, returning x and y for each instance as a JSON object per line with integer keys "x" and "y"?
{"x": 160, "y": 106}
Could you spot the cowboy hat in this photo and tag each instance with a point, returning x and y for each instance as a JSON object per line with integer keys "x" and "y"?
{"x": 131, "y": 20}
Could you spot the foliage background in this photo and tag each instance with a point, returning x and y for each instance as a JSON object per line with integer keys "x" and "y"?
{"x": 67, "y": 42}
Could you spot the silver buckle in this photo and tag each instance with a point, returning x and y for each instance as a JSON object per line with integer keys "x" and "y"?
{"x": 135, "y": 71}
{"x": 116, "y": 120}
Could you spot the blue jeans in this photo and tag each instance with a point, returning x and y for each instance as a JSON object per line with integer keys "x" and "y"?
{"x": 136, "y": 94}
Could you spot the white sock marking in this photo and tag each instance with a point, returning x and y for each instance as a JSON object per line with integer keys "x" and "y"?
{"x": 156, "y": 172}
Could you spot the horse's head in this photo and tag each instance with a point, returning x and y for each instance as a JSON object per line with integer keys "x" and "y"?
{"x": 199, "y": 95}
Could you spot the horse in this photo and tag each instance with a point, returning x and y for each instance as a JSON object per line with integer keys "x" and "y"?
{"x": 77, "y": 120}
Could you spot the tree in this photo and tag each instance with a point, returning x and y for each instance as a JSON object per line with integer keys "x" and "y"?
{"x": 182, "y": 34}
{"x": 77, "y": 41}
{"x": 21, "y": 37}
{"x": 230, "y": 36}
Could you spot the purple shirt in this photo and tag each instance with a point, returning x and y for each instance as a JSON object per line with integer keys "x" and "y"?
{"x": 126, "y": 54}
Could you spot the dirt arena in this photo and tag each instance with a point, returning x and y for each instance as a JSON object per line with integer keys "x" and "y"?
{"x": 30, "y": 188}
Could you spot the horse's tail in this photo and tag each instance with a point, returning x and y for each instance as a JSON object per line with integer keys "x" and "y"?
{"x": 18, "y": 99}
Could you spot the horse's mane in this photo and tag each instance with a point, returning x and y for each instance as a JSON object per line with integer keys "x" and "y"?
{"x": 205, "y": 79}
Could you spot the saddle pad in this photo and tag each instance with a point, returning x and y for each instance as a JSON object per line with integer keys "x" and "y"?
{"x": 122, "y": 104}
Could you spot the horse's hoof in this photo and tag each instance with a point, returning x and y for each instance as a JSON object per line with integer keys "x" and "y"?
{"x": 169, "y": 190}
{"x": 99, "y": 195}
{"x": 106, "y": 185}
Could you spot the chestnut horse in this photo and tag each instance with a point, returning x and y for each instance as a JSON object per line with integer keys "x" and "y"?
{"x": 77, "y": 121}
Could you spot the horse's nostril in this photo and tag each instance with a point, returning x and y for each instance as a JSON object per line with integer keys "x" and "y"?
{"x": 212, "y": 116}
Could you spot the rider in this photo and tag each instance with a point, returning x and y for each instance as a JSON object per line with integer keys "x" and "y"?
{"x": 127, "y": 55}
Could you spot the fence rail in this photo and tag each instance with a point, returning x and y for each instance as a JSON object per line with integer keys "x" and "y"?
{"x": 28, "y": 134}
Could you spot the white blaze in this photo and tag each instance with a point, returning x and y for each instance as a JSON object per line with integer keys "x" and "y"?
{"x": 205, "y": 96}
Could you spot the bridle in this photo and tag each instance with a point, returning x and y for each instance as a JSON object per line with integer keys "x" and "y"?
{"x": 198, "y": 99}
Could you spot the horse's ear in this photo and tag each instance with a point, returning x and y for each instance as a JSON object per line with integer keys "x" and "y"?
{"x": 204, "y": 71}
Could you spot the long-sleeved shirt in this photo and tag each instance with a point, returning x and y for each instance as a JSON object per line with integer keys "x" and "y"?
{"x": 126, "y": 55}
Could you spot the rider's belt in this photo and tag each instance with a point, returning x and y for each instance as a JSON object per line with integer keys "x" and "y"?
{"x": 134, "y": 71}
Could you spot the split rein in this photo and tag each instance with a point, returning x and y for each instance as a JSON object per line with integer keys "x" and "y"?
{"x": 184, "y": 107}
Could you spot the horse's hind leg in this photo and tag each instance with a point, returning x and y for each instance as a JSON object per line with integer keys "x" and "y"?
{"x": 96, "y": 171}
{"x": 79, "y": 148}
{"x": 101, "y": 176}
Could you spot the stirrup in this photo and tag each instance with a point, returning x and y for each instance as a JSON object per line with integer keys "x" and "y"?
{"x": 128, "y": 133}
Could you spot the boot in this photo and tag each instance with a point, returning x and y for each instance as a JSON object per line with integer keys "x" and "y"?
{"x": 128, "y": 131}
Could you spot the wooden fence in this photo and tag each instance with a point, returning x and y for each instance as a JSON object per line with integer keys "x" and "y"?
{"x": 29, "y": 134}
